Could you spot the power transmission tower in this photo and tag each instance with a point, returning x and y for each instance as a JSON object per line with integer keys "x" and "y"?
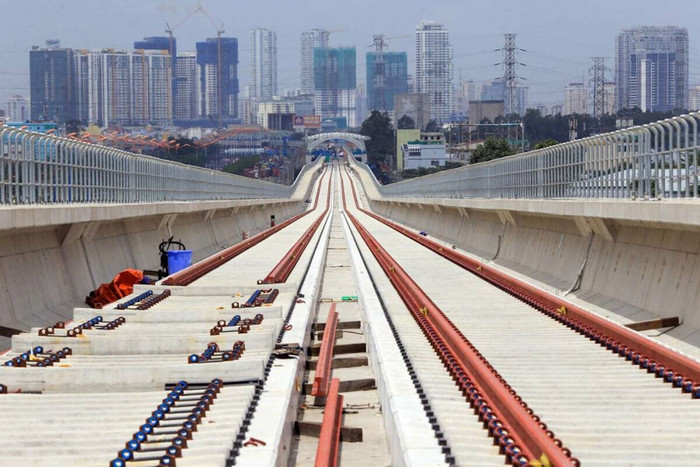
{"x": 510, "y": 77}
{"x": 379, "y": 72}
{"x": 598, "y": 84}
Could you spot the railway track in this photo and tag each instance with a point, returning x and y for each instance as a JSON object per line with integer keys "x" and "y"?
{"x": 601, "y": 407}
{"x": 471, "y": 367}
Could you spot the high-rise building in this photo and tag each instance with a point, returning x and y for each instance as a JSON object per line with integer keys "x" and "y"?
{"x": 521, "y": 93}
{"x": 114, "y": 87}
{"x": 466, "y": 91}
{"x": 651, "y": 68}
{"x": 17, "y": 108}
{"x": 492, "y": 90}
{"x": 310, "y": 40}
{"x": 151, "y": 87}
{"x": 434, "y": 68}
{"x": 218, "y": 81}
{"x": 362, "y": 107}
{"x": 394, "y": 80}
{"x": 576, "y": 99}
{"x": 187, "y": 90}
{"x": 51, "y": 83}
{"x": 694, "y": 99}
{"x": 263, "y": 63}
{"x": 119, "y": 87}
{"x": 335, "y": 82}
{"x": 165, "y": 44}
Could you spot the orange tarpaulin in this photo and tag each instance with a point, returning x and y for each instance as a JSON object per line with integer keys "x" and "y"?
{"x": 121, "y": 286}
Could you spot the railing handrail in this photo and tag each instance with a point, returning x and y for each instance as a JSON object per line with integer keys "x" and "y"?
{"x": 658, "y": 159}
{"x": 38, "y": 168}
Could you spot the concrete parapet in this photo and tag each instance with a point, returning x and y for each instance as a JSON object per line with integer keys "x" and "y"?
{"x": 630, "y": 260}
{"x": 51, "y": 257}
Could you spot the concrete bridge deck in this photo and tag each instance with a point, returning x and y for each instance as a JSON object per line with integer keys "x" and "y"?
{"x": 628, "y": 262}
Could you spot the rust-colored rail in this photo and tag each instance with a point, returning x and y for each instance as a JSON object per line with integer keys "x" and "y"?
{"x": 280, "y": 273}
{"x": 322, "y": 376}
{"x": 520, "y": 434}
{"x": 197, "y": 270}
{"x": 654, "y": 357}
{"x": 329, "y": 439}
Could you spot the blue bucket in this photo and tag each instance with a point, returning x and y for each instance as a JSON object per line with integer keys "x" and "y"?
{"x": 178, "y": 260}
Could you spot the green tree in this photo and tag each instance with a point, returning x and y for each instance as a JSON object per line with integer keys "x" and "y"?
{"x": 545, "y": 143}
{"x": 432, "y": 126}
{"x": 378, "y": 128}
{"x": 406, "y": 123}
{"x": 491, "y": 149}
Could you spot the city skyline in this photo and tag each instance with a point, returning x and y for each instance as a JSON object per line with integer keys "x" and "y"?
{"x": 551, "y": 65}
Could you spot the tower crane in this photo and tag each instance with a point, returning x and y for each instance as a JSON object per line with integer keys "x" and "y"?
{"x": 173, "y": 59}
{"x": 219, "y": 31}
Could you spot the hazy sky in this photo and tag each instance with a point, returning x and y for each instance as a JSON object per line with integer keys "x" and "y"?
{"x": 559, "y": 36}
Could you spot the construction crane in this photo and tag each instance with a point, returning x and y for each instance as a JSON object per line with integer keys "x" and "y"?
{"x": 173, "y": 58}
{"x": 219, "y": 31}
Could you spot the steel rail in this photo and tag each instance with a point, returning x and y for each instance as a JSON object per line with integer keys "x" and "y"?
{"x": 665, "y": 363}
{"x": 322, "y": 376}
{"x": 520, "y": 434}
{"x": 329, "y": 438}
{"x": 280, "y": 273}
{"x": 197, "y": 270}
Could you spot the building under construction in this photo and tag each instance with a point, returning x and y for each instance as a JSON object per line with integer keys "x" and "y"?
{"x": 386, "y": 79}
{"x": 335, "y": 83}
{"x": 218, "y": 68}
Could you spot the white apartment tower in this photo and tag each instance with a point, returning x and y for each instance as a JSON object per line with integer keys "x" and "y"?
{"x": 310, "y": 40}
{"x": 151, "y": 88}
{"x": 119, "y": 87}
{"x": 576, "y": 99}
{"x": 434, "y": 68}
{"x": 18, "y": 108}
{"x": 188, "y": 90}
{"x": 263, "y": 63}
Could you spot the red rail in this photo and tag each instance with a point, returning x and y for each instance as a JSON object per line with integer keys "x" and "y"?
{"x": 280, "y": 273}
{"x": 521, "y": 436}
{"x": 329, "y": 439}
{"x": 666, "y": 363}
{"x": 322, "y": 375}
{"x": 197, "y": 270}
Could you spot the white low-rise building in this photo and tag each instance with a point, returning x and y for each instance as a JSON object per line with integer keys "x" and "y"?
{"x": 423, "y": 154}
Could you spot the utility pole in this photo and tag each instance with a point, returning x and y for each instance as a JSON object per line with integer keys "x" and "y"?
{"x": 598, "y": 84}
{"x": 379, "y": 73}
{"x": 510, "y": 78}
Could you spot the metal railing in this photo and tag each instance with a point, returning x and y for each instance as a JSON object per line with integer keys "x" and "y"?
{"x": 658, "y": 160}
{"x": 37, "y": 168}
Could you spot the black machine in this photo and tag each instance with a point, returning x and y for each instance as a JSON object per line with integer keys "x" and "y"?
{"x": 163, "y": 248}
